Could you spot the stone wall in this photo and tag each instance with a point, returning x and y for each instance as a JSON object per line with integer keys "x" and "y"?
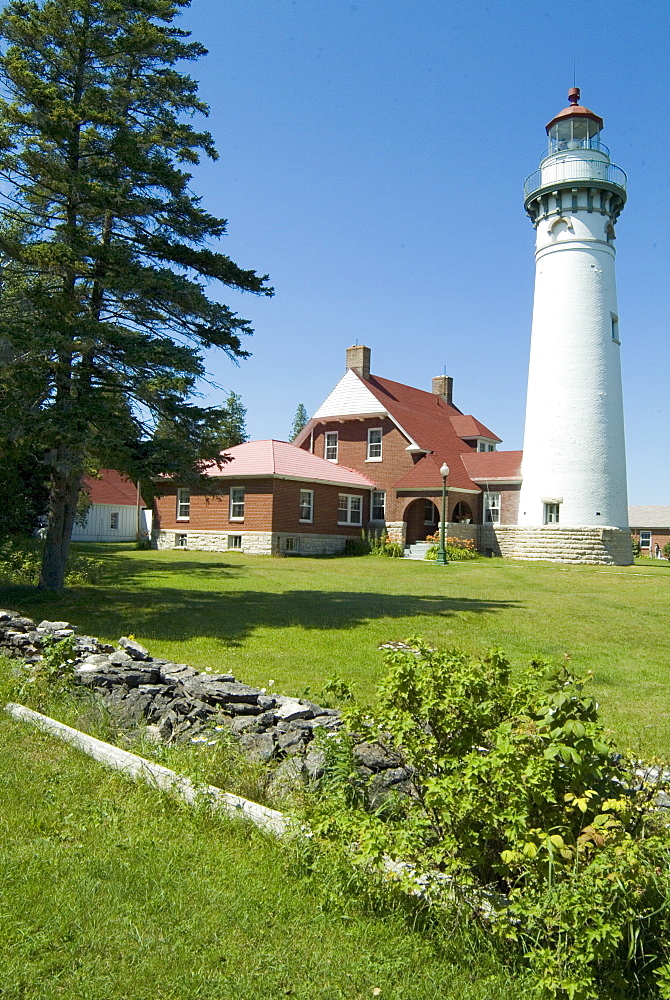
{"x": 264, "y": 543}
{"x": 590, "y": 546}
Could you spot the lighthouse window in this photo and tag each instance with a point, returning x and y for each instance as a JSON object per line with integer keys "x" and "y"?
{"x": 551, "y": 513}
{"x": 615, "y": 329}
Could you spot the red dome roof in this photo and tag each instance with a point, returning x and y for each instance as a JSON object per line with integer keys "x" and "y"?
{"x": 574, "y": 110}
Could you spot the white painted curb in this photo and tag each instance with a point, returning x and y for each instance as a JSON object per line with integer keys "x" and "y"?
{"x": 155, "y": 774}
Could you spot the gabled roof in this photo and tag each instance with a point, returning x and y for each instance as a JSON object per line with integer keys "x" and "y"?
{"x": 428, "y": 422}
{"x": 111, "y": 488}
{"x": 494, "y": 466}
{"x": 649, "y": 517}
{"x": 256, "y": 459}
{"x": 468, "y": 427}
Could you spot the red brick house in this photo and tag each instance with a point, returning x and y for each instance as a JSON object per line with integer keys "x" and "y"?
{"x": 651, "y": 526}
{"x": 271, "y": 498}
{"x": 399, "y": 437}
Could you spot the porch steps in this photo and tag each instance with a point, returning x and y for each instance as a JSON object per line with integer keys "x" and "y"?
{"x": 418, "y": 550}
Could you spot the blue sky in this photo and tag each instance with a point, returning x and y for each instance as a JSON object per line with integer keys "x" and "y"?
{"x": 372, "y": 157}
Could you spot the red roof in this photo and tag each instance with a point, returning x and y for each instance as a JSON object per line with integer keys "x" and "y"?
{"x": 468, "y": 427}
{"x": 284, "y": 460}
{"x": 112, "y": 488}
{"x": 489, "y": 466}
{"x": 429, "y": 421}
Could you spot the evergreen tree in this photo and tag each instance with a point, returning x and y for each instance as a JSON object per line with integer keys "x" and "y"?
{"x": 105, "y": 249}
{"x": 299, "y": 421}
{"x": 234, "y": 422}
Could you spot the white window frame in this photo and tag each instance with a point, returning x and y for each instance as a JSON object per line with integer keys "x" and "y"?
{"x": 236, "y": 503}
{"x": 491, "y": 503}
{"x": 235, "y": 542}
{"x": 113, "y": 520}
{"x": 181, "y": 540}
{"x": 292, "y": 544}
{"x": 353, "y": 504}
{"x": 183, "y": 505}
{"x": 551, "y": 513}
{"x": 331, "y": 445}
{"x": 378, "y": 505}
{"x": 485, "y": 445}
{"x": 374, "y": 452}
{"x": 642, "y": 545}
{"x": 306, "y": 506}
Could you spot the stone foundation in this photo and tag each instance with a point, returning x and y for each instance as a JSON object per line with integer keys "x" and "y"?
{"x": 264, "y": 543}
{"x": 591, "y": 546}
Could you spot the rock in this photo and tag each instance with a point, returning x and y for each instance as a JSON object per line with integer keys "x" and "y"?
{"x": 290, "y": 709}
{"x": 136, "y": 651}
{"x": 167, "y": 725}
{"x": 242, "y": 722}
{"x": 119, "y": 657}
{"x": 287, "y": 778}
{"x": 152, "y": 734}
{"x": 265, "y": 702}
{"x": 134, "y": 706}
{"x": 257, "y": 746}
{"x": 314, "y": 763}
{"x": 289, "y": 741}
{"x": 321, "y": 722}
{"x": 220, "y": 692}
{"x": 170, "y": 672}
{"x": 48, "y": 626}
{"x": 375, "y": 757}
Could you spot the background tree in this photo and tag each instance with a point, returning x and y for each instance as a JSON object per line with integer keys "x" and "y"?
{"x": 234, "y": 422}
{"x": 105, "y": 250}
{"x": 299, "y": 421}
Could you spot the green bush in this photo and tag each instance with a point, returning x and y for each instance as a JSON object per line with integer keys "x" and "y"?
{"x": 636, "y": 546}
{"x": 517, "y": 790}
{"x": 21, "y": 561}
{"x": 457, "y": 549}
{"x": 666, "y": 550}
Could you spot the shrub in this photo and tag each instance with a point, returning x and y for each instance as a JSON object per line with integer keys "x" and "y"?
{"x": 458, "y": 549}
{"x": 666, "y": 550}
{"x": 636, "y": 545}
{"x": 21, "y": 561}
{"x": 517, "y": 788}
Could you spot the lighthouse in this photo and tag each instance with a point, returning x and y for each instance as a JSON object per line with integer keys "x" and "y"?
{"x": 574, "y": 464}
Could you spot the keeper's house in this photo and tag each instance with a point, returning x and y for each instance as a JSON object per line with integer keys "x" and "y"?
{"x": 113, "y": 513}
{"x": 271, "y": 499}
{"x": 651, "y": 526}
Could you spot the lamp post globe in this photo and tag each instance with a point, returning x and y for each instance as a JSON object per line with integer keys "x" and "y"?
{"x": 442, "y": 552}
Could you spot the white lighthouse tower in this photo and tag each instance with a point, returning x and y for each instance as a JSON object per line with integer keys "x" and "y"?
{"x": 574, "y": 464}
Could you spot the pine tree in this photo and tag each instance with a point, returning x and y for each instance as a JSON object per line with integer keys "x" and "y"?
{"x": 105, "y": 249}
{"x": 299, "y": 421}
{"x": 234, "y": 422}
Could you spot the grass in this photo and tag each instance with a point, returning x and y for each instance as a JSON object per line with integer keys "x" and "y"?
{"x": 298, "y": 622}
{"x": 116, "y": 892}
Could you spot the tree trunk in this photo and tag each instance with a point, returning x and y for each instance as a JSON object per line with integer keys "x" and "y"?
{"x": 64, "y": 491}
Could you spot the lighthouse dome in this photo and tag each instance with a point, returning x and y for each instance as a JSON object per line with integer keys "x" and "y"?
{"x": 574, "y": 123}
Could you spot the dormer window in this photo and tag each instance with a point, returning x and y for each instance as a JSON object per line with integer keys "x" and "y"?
{"x": 485, "y": 445}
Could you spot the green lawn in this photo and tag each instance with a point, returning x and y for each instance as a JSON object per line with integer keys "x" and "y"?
{"x": 110, "y": 891}
{"x": 299, "y": 622}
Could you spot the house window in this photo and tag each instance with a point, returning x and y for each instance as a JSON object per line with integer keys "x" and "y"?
{"x": 645, "y": 539}
{"x": 114, "y": 520}
{"x": 291, "y": 545}
{"x": 378, "y": 505}
{"x": 551, "y": 513}
{"x": 429, "y": 512}
{"x": 491, "y": 508}
{"x": 183, "y": 505}
{"x": 307, "y": 506}
{"x": 237, "y": 503}
{"x": 350, "y": 509}
{"x": 234, "y": 541}
{"x": 180, "y": 541}
{"x": 330, "y": 448}
{"x": 374, "y": 444}
{"x": 485, "y": 446}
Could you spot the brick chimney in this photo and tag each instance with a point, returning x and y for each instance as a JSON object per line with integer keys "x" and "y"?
{"x": 358, "y": 360}
{"x": 443, "y": 386}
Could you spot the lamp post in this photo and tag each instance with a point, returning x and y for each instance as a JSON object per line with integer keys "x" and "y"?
{"x": 442, "y": 552}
